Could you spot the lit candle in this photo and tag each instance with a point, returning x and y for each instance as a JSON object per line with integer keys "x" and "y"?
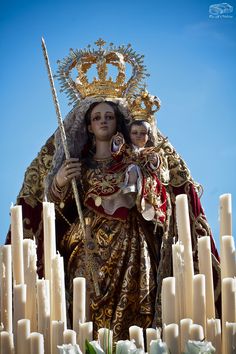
{"x": 49, "y": 237}
{"x": 171, "y": 337}
{"x": 6, "y": 343}
{"x": 86, "y": 332}
{"x": 184, "y": 233}
{"x": 185, "y": 324}
{"x": 17, "y": 244}
{"x": 36, "y": 343}
{"x": 6, "y": 288}
{"x": 79, "y": 302}
{"x": 214, "y": 333}
{"x": 228, "y": 257}
{"x": 136, "y": 334}
{"x": 57, "y": 335}
{"x": 199, "y": 300}
{"x": 168, "y": 300}
{"x": 30, "y": 276}
{"x": 230, "y": 338}
{"x": 43, "y": 305}
{"x": 105, "y": 338}
{"x": 151, "y": 334}
{"x": 205, "y": 267}
{"x": 58, "y": 300}
{"x": 178, "y": 272}
{"x": 196, "y": 332}
{"x": 23, "y": 332}
{"x": 69, "y": 337}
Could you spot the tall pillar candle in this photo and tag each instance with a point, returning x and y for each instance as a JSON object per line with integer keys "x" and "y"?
{"x": 214, "y": 333}
{"x": 17, "y": 244}
{"x": 49, "y": 237}
{"x": 228, "y": 305}
{"x": 30, "y": 276}
{"x": 178, "y": 272}
{"x": 69, "y": 337}
{"x": 58, "y": 300}
{"x": 225, "y": 214}
{"x": 196, "y": 332}
{"x": 79, "y": 302}
{"x": 6, "y": 343}
{"x": 228, "y": 257}
{"x": 19, "y": 303}
{"x": 151, "y": 334}
{"x": 6, "y": 288}
{"x": 43, "y": 306}
{"x": 185, "y": 324}
{"x": 86, "y": 332}
{"x": 171, "y": 337}
{"x": 168, "y": 300}
{"x": 184, "y": 234}
{"x": 205, "y": 267}
{"x": 56, "y": 335}
{"x": 136, "y": 334}
{"x": 23, "y": 332}
{"x": 230, "y": 338}
{"x": 199, "y": 300}
{"x": 36, "y": 343}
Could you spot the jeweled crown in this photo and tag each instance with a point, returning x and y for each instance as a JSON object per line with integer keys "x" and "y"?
{"x": 117, "y": 57}
{"x": 143, "y": 106}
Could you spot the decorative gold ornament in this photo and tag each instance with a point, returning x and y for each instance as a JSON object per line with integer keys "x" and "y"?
{"x": 73, "y": 72}
{"x": 143, "y": 106}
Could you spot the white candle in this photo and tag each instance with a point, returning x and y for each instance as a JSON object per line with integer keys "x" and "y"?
{"x": 151, "y": 334}
{"x": 228, "y": 257}
{"x": 69, "y": 337}
{"x": 183, "y": 226}
{"x": 79, "y": 302}
{"x": 19, "y": 303}
{"x": 199, "y": 300}
{"x": 6, "y": 343}
{"x": 86, "y": 332}
{"x": 205, "y": 267}
{"x": 214, "y": 333}
{"x": 43, "y": 306}
{"x": 178, "y": 272}
{"x": 136, "y": 333}
{"x": 49, "y": 237}
{"x": 105, "y": 339}
{"x": 228, "y": 305}
{"x": 230, "y": 338}
{"x": 225, "y": 215}
{"x": 6, "y": 288}
{"x": 168, "y": 300}
{"x": 30, "y": 276}
{"x": 36, "y": 343}
{"x": 17, "y": 244}
{"x": 23, "y": 332}
{"x": 171, "y": 337}
{"x": 196, "y": 332}
{"x": 185, "y": 324}
{"x": 56, "y": 336}
{"x": 58, "y": 300}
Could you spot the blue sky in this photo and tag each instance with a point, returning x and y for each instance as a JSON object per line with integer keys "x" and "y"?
{"x": 191, "y": 60}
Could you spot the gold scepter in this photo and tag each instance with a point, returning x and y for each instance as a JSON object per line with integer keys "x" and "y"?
{"x": 63, "y": 134}
{"x": 85, "y": 230}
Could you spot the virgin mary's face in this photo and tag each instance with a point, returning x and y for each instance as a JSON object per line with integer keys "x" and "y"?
{"x": 103, "y": 122}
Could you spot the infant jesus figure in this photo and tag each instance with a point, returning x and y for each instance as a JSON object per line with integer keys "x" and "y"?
{"x": 143, "y": 171}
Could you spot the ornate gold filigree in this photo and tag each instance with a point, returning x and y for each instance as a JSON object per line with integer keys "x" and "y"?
{"x": 143, "y": 106}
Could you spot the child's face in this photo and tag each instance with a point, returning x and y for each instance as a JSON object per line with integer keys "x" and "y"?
{"x": 139, "y": 135}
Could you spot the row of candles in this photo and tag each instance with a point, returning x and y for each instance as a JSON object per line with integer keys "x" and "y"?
{"x": 38, "y": 323}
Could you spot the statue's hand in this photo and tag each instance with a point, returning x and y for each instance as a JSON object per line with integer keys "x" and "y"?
{"x": 70, "y": 168}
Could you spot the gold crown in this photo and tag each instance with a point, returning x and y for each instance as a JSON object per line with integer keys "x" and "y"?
{"x": 103, "y": 58}
{"x": 143, "y": 106}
